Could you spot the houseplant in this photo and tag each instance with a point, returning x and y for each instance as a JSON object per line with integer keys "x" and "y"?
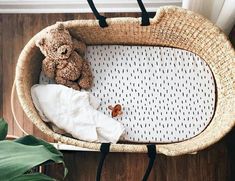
{"x": 18, "y": 157}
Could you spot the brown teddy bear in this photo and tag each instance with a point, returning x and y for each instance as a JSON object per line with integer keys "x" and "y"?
{"x": 64, "y": 58}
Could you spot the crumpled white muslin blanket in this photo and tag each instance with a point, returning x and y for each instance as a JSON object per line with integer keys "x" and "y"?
{"x": 75, "y": 112}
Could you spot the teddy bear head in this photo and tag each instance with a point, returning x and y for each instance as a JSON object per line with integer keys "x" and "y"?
{"x": 56, "y": 42}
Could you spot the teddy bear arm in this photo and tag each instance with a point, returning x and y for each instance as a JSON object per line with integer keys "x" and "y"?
{"x": 48, "y": 67}
{"x": 66, "y": 82}
{"x": 79, "y": 47}
{"x": 85, "y": 81}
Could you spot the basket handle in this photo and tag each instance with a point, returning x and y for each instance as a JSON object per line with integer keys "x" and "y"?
{"x": 104, "y": 149}
{"x": 102, "y": 19}
{"x": 152, "y": 156}
{"x": 145, "y": 17}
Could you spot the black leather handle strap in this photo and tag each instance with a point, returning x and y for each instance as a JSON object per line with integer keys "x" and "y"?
{"x": 145, "y": 16}
{"x": 152, "y": 155}
{"x": 102, "y": 19}
{"x": 104, "y": 149}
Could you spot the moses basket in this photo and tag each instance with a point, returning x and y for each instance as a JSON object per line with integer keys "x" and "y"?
{"x": 171, "y": 27}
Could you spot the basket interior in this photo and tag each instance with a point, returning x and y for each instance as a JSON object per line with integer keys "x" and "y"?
{"x": 167, "y": 94}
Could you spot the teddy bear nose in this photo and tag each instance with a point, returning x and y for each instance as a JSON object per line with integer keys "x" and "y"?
{"x": 64, "y": 52}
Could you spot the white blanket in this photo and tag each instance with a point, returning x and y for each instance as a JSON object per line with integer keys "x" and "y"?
{"x": 75, "y": 112}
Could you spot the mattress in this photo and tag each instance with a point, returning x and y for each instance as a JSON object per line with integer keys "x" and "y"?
{"x": 167, "y": 94}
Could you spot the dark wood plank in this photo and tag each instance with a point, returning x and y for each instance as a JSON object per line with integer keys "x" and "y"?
{"x": 17, "y": 47}
{"x": 7, "y": 66}
{"x": 212, "y": 164}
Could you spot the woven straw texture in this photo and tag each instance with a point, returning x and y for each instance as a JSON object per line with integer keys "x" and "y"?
{"x": 172, "y": 27}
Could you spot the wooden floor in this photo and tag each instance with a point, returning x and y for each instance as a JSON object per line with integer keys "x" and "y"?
{"x": 213, "y": 164}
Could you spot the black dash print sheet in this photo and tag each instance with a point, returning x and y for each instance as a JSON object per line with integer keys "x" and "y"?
{"x": 167, "y": 94}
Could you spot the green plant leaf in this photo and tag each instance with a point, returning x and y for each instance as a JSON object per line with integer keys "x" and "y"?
{"x": 3, "y": 129}
{"x": 32, "y": 141}
{"x": 33, "y": 177}
{"x": 16, "y": 158}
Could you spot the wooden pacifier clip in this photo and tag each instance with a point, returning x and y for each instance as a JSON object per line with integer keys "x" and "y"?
{"x": 116, "y": 110}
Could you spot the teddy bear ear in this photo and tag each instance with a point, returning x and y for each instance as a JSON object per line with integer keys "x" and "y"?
{"x": 60, "y": 26}
{"x": 40, "y": 42}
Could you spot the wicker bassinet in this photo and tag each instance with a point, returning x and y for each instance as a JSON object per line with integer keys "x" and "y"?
{"x": 171, "y": 27}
